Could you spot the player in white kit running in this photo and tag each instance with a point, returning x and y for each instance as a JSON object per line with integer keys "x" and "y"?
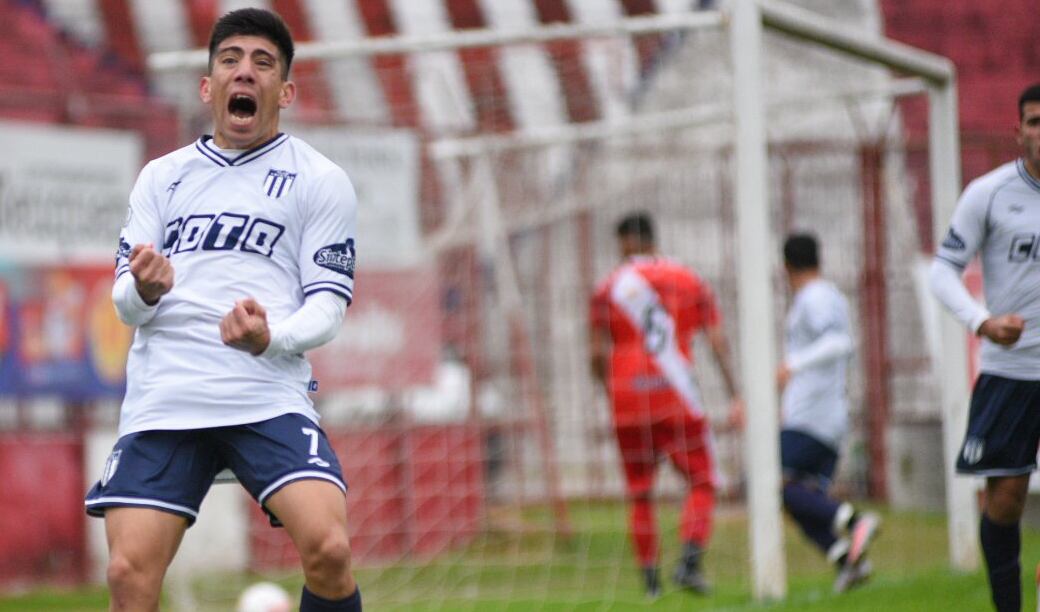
{"x": 813, "y": 378}
{"x": 237, "y": 255}
{"x": 998, "y": 218}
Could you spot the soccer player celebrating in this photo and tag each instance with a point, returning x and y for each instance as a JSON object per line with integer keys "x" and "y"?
{"x": 812, "y": 378}
{"x": 237, "y": 256}
{"x": 998, "y": 217}
{"x": 644, "y": 317}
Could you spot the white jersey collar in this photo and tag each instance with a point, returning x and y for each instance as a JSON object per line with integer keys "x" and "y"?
{"x": 1029, "y": 179}
{"x": 209, "y": 150}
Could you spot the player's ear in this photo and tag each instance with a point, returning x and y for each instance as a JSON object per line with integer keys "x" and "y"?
{"x": 204, "y": 90}
{"x": 287, "y": 95}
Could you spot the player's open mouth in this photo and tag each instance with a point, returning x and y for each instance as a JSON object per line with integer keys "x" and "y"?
{"x": 241, "y": 106}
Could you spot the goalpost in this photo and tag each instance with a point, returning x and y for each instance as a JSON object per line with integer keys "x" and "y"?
{"x": 572, "y": 198}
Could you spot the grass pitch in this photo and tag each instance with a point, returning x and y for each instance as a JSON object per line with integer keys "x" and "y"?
{"x": 595, "y": 570}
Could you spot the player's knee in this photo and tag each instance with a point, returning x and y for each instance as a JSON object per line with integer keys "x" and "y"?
{"x": 788, "y": 492}
{"x": 331, "y": 554}
{"x": 123, "y": 574}
{"x": 1005, "y": 508}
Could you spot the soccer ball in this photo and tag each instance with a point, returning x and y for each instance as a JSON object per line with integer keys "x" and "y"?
{"x": 264, "y": 597}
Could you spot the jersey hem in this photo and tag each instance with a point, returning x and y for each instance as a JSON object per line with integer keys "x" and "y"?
{"x": 245, "y": 419}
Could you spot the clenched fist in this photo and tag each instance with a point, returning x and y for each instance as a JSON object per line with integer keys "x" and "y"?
{"x": 153, "y": 273}
{"x": 245, "y": 327}
{"x": 1004, "y": 330}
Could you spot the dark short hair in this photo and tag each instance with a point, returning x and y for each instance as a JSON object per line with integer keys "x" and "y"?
{"x": 638, "y": 225}
{"x": 1029, "y": 94}
{"x": 800, "y": 252}
{"x": 253, "y": 22}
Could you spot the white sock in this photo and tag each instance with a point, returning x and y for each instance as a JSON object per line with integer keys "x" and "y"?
{"x": 841, "y": 519}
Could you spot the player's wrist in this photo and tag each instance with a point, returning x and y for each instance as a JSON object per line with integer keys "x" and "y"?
{"x": 144, "y": 298}
{"x": 275, "y": 343}
{"x": 262, "y": 345}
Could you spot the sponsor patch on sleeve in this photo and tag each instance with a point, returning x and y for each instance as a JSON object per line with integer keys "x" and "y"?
{"x": 123, "y": 252}
{"x": 337, "y": 257}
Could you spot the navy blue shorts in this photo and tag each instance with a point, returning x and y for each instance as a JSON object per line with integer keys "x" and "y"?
{"x": 1003, "y": 427}
{"x": 803, "y": 458}
{"x": 171, "y": 470}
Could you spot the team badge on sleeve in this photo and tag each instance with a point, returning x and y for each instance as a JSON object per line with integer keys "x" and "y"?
{"x": 337, "y": 257}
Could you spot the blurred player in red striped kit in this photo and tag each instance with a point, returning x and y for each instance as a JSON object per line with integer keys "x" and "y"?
{"x": 643, "y": 319}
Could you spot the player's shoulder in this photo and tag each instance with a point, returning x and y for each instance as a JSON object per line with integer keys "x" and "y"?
{"x": 316, "y": 161}
{"x": 983, "y": 187}
{"x": 602, "y": 288}
{"x": 824, "y": 289}
{"x": 169, "y": 164}
{"x": 177, "y": 157}
{"x": 823, "y": 293}
{"x": 676, "y": 270}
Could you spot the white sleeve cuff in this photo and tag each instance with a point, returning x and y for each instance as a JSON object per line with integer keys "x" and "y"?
{"x": 978, "y": 320}
{"x": 312, "y": 325}
{"x": 130, "y": 306}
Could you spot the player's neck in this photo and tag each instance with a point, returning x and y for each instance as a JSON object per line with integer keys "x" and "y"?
{"x": 802, "y": 278}
{"x": 222, "y": 141}
{"x": 645, "y": 252}
{"x": 1031, "y": 168}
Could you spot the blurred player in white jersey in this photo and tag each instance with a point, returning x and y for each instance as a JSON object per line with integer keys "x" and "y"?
{"x": 237, "y": 255}
{"x": 998, "y": 217}
{"x": 812, "y": 377}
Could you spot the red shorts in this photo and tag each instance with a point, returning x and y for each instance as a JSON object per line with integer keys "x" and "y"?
{"x": 684, "y": 439}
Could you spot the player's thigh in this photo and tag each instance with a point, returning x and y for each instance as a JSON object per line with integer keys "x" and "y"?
{"x": 687, "y": 441}
{"x": 145, "y": 537}
{"x": 1003, "y": 428}
{"x": 805, "y": 458}
{"x": 166, "y": 471}
{"x": 638, "y": 457}
{"x": 270, "y": 455}
{"x": 1006, "y": 497}
{"x": 312, "y": 512}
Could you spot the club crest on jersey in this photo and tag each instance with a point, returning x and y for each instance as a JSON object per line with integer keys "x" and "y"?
{"x": 953, "y": 241}
{"x": 278, "y": 182}
{"x": 337, "y": 257}
{"x": 110, "y": 467}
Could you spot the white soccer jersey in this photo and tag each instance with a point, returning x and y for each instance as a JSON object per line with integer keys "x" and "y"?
{"x": 998, "y": 216}
{"x": 275, "y": 223}
{"x": 817, "y": 345}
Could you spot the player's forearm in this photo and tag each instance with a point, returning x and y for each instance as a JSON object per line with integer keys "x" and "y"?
{"x": 314, "y": 324}
{"x": 720, "y": 348}
{"x": 130, "y": 306}
{"x": 827, "y": 348}
{"x": 947, "y": 286}
{"x": 598, "y": 350}
{"x": 727, "y": 376}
